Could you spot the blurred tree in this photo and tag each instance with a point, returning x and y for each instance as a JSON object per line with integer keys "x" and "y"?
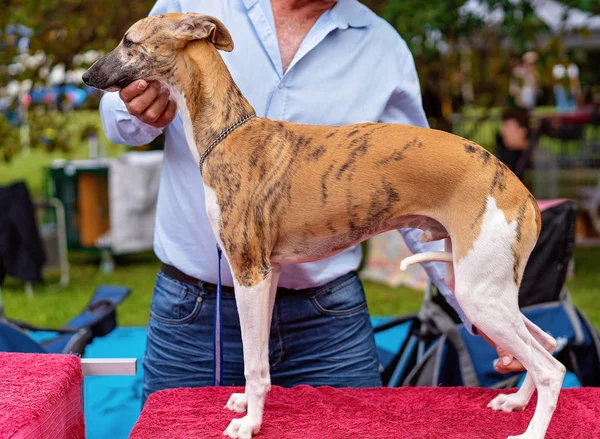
{"x": 464, "y": 57}
{"x": 61, "y": 32}
{"x": 460, "y": 57}
{"x": 591, "y": 6}
{"x": 64, "y": 28}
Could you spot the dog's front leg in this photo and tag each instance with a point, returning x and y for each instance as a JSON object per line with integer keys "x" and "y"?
{"x": 238, "y": 402}
{"x": 255, "y": 307}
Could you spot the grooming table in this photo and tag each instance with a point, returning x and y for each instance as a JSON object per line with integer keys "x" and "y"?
{"x": 41, "y": 394}
{"x": 326, "y": 413}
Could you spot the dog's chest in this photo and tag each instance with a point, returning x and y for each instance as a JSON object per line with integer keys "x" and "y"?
{"x": 213, "y": 211}
{"x": 314, "y": 243}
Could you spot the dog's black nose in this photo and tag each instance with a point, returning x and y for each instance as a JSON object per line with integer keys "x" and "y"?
{"x": 86, "y": 77}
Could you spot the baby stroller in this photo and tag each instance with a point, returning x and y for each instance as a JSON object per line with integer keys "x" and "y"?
{"x": 437, "y": 350}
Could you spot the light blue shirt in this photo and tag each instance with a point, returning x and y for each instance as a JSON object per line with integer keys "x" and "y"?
{"x": 351, "y": 67}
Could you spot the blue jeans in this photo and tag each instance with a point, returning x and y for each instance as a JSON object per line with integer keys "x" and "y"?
{"x": 319, "y": 336}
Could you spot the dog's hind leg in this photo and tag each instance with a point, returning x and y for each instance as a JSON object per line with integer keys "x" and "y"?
{"x": 255, "y": 306}
{"x": 542, "y": 337}
{"x": 487, "y": 285}
{"x": 518, "y": 401}
{"x": 502, "y": 323}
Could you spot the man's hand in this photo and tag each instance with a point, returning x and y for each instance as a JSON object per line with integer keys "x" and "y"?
{"x": 149, "y": 103}
{"x": 506, "y": 362}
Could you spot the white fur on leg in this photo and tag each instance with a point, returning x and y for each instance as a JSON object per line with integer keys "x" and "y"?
{"x": 487, "y": 293}
{"x": 253, "y": 305}
{"x": 514, "y": 401}
{"x": 238, "y": 402}
{"x": 542, "y": 337}
{"x": 449, "y": 271}
{"x": 519, "y": 400}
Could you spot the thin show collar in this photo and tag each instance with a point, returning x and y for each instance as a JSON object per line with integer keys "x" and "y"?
{"x": 222, "y": 137}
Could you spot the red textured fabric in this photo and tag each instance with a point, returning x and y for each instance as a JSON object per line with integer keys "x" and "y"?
{"x": 40, "y": 396}
{"x": 325, "y": 413}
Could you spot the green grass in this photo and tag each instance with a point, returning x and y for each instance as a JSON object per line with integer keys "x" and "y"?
{"x": 484, "y": 132}
{"x": 28, "y": 166}
{"x": 585, "y": 286}
{"x": 53, "y": 305}
{"x": 388, "y": 301}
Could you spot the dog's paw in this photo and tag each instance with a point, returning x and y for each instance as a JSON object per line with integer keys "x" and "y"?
{"x": 242, "y": 428}
{"x": 238, "y": 402}
{"x": 508, "y": 403}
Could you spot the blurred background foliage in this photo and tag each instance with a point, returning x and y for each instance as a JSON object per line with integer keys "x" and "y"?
{"x": 464, "y": 60}
{"x": 64, "y": 28}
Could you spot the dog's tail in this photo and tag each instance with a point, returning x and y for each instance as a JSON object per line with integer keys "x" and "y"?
{"x": 425, "y": 257}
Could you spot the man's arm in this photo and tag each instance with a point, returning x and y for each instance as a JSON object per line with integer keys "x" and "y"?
{"x": 405, "y": 107}
{"x": 137, "y": 114}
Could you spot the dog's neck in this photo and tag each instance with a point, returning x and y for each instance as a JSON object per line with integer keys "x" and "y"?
{"x": 209, "y": 101}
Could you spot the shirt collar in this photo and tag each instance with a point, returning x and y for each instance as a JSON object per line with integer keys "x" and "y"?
{"x": 249, "y": 3}
{"x": 350, "y": 13}
{"x": 345, "y": 13}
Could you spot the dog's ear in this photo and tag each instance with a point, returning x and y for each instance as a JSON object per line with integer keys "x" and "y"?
{"x": 194, "y": 26}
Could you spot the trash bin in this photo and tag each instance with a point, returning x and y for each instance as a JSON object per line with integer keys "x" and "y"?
{"x": 82, "y": 187}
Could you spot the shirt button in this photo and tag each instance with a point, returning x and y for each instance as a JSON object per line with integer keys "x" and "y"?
{"x": 281, "y": 85}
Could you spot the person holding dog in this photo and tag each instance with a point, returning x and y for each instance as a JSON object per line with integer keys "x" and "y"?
{"x": 289, "y": 58}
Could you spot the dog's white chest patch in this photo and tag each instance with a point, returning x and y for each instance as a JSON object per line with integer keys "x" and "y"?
{"x": 187, "y": 122}
{"x": 213, "y": 211}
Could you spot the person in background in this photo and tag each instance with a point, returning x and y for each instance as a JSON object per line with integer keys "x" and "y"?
{"x": 524, "y": 85}
{"x": 513, "y": 141}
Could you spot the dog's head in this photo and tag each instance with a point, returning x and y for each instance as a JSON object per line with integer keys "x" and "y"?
{"x": 150, "y": 48}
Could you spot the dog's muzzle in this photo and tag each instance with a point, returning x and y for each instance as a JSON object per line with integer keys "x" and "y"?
{"x": 106, "y": 74}
{"x": 86, "y": 77}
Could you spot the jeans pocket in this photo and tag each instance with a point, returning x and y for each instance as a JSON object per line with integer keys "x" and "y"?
{"x": 174, "y": 302}
{"x": 341, "y": 299}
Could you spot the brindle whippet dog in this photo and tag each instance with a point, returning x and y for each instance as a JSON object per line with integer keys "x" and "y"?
{"x": 283, "y": 193}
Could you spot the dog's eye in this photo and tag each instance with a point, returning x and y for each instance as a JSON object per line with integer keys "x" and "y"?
{"x": 127, "y": 42}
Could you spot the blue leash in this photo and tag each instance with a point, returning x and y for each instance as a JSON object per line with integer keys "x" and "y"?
{"x": 218, "y": 340}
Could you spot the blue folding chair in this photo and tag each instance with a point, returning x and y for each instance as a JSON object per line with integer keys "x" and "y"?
{"x": 97, "y": 319}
